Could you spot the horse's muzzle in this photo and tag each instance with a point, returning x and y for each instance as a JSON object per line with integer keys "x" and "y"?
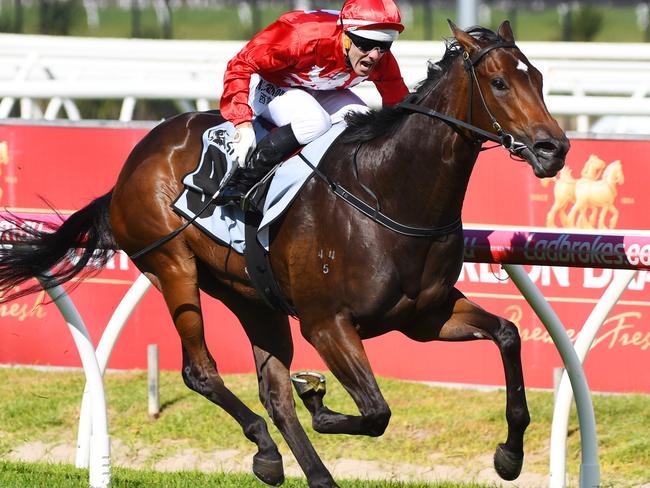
{"x": 547, "y": 156}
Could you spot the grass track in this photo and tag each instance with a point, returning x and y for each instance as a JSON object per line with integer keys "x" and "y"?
{"x": 429, "y": 426}
{"x": 24, "y": 475}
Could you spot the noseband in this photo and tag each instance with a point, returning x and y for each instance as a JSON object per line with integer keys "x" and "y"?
{"x": 503, "y": 138}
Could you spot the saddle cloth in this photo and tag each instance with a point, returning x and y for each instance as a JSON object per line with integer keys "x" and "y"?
{"x": 226, "y": 223}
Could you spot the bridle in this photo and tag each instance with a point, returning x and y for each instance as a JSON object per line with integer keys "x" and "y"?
{"x": 517, "y": 149}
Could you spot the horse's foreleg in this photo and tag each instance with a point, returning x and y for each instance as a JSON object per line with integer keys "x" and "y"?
{"x": 340, "y": 346}
{"x": 573, "y": 213}
{"x": 462, "y": 320}
{"x": 593, "y": 216}
{"x": 550, "y": 217}
{"x": 614, "y": 219}
{"x": 602, "y": 221}
{"x": 270, "y": 336}
{"x": 564, "y": 218}
{"x": 178, "y": 283}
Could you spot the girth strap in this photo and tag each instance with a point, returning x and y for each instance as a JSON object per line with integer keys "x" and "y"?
{"x": 258, "y": 265}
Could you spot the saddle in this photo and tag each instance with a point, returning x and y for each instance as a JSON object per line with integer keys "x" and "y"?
{"x": 206, "y": 180}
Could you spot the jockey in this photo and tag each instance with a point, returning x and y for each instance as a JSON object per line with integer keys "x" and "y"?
{"x": 297, "y": 72}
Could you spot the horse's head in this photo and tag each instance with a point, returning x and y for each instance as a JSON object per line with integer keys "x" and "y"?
{"x": 613, "y": 173}
{"x": 506, "y": 95}
{"x": 593, "y": 168}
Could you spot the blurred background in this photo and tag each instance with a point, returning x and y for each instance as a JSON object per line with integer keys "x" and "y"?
{"x": 151, "y": 59}
{"x": 534, "y": 20}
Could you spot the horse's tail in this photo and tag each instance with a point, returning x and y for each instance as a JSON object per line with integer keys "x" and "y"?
{"x": 55, "y": 255}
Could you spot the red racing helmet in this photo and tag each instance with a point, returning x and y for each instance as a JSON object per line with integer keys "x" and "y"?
{"x": 373, "y": 19}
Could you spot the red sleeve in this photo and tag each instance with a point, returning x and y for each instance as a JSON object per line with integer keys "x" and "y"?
{"x": 272, "y": 49}
{"x": 389, "y": 82}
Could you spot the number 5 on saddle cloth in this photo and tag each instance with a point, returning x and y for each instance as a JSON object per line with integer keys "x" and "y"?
{"x": 247, "y": 232}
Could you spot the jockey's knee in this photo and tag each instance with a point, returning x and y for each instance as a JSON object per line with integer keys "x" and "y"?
{"x": 310, "y": 126}
{"x": 340, "y": 114}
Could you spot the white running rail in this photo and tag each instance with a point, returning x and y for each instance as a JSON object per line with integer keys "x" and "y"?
{"x": 93, "y": 447}
{"x": 47, "y": 74}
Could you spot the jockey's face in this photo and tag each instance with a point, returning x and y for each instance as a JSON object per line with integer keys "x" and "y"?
{"x": 363, "y": 61}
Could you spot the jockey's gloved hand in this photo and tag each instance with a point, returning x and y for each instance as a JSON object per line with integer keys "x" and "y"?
{"x": 244, "y": 143}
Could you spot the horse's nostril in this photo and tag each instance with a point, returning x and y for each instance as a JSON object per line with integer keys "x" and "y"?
{"x": 547, "y": 146}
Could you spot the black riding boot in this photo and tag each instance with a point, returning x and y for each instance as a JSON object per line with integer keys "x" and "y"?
{"x": 277, "y": 145}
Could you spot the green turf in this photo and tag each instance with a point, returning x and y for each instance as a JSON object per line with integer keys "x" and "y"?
{"x": 24, "y": 475}
{"x": 447, "y": 426}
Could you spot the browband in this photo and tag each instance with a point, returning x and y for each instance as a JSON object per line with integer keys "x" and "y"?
{"x": 476, "y": 57}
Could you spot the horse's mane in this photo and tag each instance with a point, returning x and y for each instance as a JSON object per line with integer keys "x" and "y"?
{"x": 366, "y": 126}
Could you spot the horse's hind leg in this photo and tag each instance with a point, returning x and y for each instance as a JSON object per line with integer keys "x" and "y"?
{"x": 177, "y": 277}
{"x": 270, "y": 336}
{"x": 462, "y": 320}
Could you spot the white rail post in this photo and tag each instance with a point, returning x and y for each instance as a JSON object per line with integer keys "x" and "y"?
{"x": 564, "y": 395}
{"x": 154, "y": 376}
{"x": 104, "y": 350}
{"x": 100, "y": 444}
{"x": 589, "y": 468}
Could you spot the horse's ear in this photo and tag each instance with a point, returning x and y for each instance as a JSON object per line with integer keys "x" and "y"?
{"x": 470, "y": 44}
{"x": 505, "y": 31}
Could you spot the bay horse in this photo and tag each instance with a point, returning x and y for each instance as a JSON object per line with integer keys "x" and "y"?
{"x": 416, "y": 158}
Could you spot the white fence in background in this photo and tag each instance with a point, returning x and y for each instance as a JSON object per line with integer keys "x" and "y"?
{"x": 582, "y": 80}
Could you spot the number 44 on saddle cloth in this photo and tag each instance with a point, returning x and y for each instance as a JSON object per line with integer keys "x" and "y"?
{"x": 226, "y": 223}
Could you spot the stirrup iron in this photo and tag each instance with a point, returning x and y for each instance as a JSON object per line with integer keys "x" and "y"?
{"x": 245, "y": 201}
{"x": 308, "y": 381}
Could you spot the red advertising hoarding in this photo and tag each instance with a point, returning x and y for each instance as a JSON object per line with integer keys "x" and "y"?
{"x": 603, "y": 186}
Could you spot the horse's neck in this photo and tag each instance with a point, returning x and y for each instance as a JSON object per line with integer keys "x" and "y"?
{"x": 610, "y": 176}
{"x": 432, "y": 163}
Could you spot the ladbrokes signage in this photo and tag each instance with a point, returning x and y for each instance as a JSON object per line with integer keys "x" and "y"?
{"x": 602, "y": 187}
{"x": 601, "y": 190}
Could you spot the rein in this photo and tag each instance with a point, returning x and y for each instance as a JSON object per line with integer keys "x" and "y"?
{"x": 376, "y": 215}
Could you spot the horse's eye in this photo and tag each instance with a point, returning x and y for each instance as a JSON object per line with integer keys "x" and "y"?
{"x": 499, "y": 84}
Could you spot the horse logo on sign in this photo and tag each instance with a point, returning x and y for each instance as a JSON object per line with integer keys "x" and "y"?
{"x": 587, "y": 202}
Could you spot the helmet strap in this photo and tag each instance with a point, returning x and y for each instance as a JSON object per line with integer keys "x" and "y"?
{"x": 347, "y": 44}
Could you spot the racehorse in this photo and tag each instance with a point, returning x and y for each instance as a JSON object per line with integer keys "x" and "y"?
{"x": 416, "y": 158}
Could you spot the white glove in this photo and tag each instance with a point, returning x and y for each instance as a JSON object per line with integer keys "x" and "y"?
{"x": 244, "y": 145}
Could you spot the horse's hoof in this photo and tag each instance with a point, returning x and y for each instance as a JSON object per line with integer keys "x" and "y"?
{"x": 507, "y": 464}
{"x": 308, "y": 381}
{"x": 268, "y": 471}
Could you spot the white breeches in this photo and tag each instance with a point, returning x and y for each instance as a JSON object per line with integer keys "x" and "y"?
{"x": 310, "y": 112}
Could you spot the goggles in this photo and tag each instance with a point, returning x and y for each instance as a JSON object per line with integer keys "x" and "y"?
{"x": 366, "y": 45}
